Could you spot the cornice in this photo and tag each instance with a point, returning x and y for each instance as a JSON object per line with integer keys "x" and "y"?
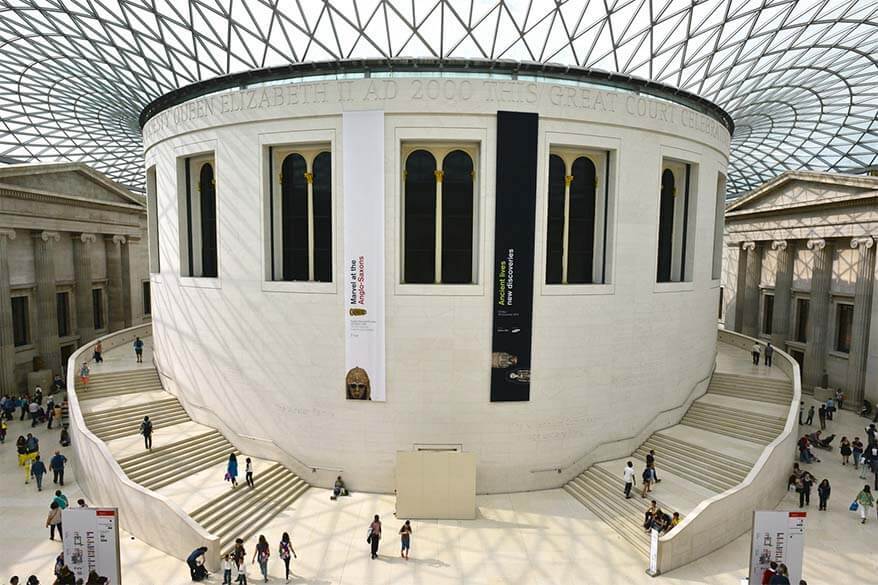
{"x": 15, "y": 192}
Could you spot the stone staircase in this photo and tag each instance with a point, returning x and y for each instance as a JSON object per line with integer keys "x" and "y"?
{"x": 119, "y": 383}
{"x": 691, "y": 462}
{"x": 115, "y": 423}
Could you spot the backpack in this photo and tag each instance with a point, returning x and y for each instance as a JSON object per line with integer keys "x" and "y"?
{"x": 146, "y": 428}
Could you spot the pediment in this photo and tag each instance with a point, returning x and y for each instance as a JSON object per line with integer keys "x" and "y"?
{"x": 69, "y": 179}
{"x": 803, "y": 189}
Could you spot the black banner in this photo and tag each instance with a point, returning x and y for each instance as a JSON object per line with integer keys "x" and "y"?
{"x": 516, "y": 193}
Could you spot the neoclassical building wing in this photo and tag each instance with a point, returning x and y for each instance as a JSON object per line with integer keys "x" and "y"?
{"x": 799, "y": 77}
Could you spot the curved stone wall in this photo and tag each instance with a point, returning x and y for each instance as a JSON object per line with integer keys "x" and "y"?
{"x": 269, "y": 357}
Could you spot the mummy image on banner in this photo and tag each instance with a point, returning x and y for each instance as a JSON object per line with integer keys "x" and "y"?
{"x": 363, "y": 153}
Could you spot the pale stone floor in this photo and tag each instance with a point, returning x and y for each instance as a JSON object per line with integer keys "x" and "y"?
{"x": 536, "y": 538}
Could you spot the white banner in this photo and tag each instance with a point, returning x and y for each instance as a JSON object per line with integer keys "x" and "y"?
{"x": 363, "y": 187}
{"x": 778, "y": 537}
{"x": 91, "y": 542}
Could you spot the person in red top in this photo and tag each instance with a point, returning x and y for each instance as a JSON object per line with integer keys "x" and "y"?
{"x": 770, "y": 572}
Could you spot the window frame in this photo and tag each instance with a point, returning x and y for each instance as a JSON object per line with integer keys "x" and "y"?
{"x": 28, "y": 317}
{"x": 766, "y": 294}
{"x": 686, "y": 172}
{"x": 146, "y": 285}
{"x": 102, "y": 310}
{"x": 152, "y": 224}
{"x": 798, "y": 317}
{"x": 69, "y": 321}
{"x": 200, "y": 150}
{"x": 716, "y": 268}
{"x": 846, "y": 303}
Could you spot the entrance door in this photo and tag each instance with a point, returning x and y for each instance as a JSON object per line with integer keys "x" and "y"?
{"x": 799, "y": 356}
{"x": 66, "y": 352}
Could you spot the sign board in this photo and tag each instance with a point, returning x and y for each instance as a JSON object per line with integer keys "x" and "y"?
{"x": 91, "y": 542}
{"x": 778, "y": 537}
{"x": 653, "y": 552}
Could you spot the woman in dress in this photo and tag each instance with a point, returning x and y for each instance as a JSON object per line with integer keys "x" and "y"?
{"x": 232, "y": 470}
{"x": 285, "y": 551}
{"x": 845, "y": 451}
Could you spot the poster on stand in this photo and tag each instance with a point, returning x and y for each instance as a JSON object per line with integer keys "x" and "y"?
{"x": 778, "y": 537}
{"x": 363, "y": 180}
{"x": 91, "y": 542}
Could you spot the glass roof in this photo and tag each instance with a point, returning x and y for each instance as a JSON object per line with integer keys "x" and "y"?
{"x": 799, "y": 77}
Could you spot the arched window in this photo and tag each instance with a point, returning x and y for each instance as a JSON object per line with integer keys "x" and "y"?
{"x": 207, "y": 189}
{"x": 457, "y": 218}
{"x": 580, "y": 255}
{"x": 199, "y": 248}
{"x": 294, "y": 218}
{"x": 323, "y": 217}
{"x": 666, "y": 226}
{"x": 420, "y": 218}
{"x": 555, "y": 221}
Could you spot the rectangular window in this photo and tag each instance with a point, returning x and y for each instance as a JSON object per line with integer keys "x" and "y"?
{"x": 676, "y": 221}
{"x": 63, "y": 302}
{"x": 577, "y": 211}
{"x": 198, "y": 217}
{"x": 767, "y": 313}
{"x": 719, "y": 227}
{"x": 147, "y": 298}
{"x": 155, "y": 264}
{"x": 20, "y": 321}
{"x": 802, "y": 306}
{"x": 722, "y": 297}
{"x": 844, "y": 323}
{"x": 97, "y": 307}
{"x": 300, "y": 213}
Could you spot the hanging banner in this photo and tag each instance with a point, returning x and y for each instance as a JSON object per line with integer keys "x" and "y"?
{"x": 91, "y": 542}
{"x": 516, "y": 194}
{"x": 778, "y": 537}
{"x": 363, "y": 180}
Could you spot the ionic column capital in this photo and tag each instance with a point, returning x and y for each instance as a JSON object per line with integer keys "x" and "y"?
{"x": 46, "y": 236}
{"x": 87, "y": 238}
{"x": 779, "y": 245}
{"x": 816, "y": 244}
{"x": 7, "y": 233}
{"x": 749, "y": 246}
{"x": 118, "y": 240}
{"x": 864, "y": 242}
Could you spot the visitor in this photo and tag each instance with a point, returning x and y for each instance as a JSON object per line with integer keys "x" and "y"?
{"x": 769, "y": 352}
{"x": 374, "y": 535}
{"x": 338, "y": 489}
{"x": 227, "y": 569}
{"x": 801, "y": 411}
{"x": 61, "y": 499}
{"x": 238, "y": 552}
{"x": 32, "y": 580}
{"x": 14, "y": 580}
{"x": 768, "y": 573}
{"x": 864, "y": 502}
{"x": 810, "y": 420}
{"x": 646, "y": 484}
{"x": 34, "y": 410}
{"x": 650, "y": 462}
{"x": 782, "y": 577}
{"x": 248, "y": 472}
{"x": 865, "y": 463}
{"x": 56, "y": 464}
{"x": 285, "y": 551}
{"x": 33, "y": 444}
{"x": 98, "y": 350}
{"x": 628, "y": 475}
{"x": 755, "y": 351}
{"x": 83, "y": 374}
{"x": 94, "y": 579}
{"x": 649, "y": 515}
{"x": 146, "y": 431}
{"x": 660, "y": 521}
{"x": 37, "y": 471}
{"x": 823, "y": 491}
{"x": 81, "y": 503}
{"x": 871, "y": 433}
{"x": 241, "y": 573}
{"x": 50, "y": 412}
{"x": 53, "y": 521}
{"x": 38, "y": 395}
{"x": 857, "y": 451}
{"x": 58, "y": 383}
{"x": 232, "y": 470}
{"x": 138, "y": 350}
{"x": 405, "y": 537}
{"x": 21, "y": 447}
{"x": 830, "y": 408}
{"x": 675, "y": 520}
{"x": 64, "y": 440}
{"x": 845, "y": 450}
{"x": 261, "y": 555}
{"x": 195, "y": 560}
{"x": 24, "y": 402}
{"x": 821, "y": 414}
{"x": 839, "y": 399}
{"x": 3, "y": 428}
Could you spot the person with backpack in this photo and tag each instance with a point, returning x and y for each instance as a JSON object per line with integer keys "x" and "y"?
{"x": 646, "y": 485}
{"x": 146, "y": 431}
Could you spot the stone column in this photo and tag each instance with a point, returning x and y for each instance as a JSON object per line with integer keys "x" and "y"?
{"x": 7, "y": 342}
{"x": 783, "y": 284}
{"x": 126, "y": 279}
{"x": 856, "y": 375}
{"x": 115, "y": 301}
{"x": 82, "y": 251}
{"x": 741, "y": 285}
{"x": 47, "y": 342}
{"x": 818, "y": 313}
{"x": 751, "y": 289}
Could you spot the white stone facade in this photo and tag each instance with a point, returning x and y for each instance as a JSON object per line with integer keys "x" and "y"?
{"x": 269, "y": 356}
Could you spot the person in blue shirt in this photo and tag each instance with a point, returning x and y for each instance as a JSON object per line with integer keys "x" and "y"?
{"x": 57, "y": 464}
{"x": 138, "y": 350}
{"x": 37, "y": 471}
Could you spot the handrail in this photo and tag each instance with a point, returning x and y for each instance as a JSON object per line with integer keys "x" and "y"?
{"x": 689, "y": 398}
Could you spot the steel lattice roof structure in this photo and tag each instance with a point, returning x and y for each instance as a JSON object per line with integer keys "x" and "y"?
{"x": 798, "y": 77}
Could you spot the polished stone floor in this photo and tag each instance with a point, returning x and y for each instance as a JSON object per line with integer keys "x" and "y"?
{"x": 536, "y": 538}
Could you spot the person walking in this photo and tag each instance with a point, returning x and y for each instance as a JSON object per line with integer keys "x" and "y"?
{"x": 405, "y": 537}
{"x": 823, "y": 491}
{"x": 857, "y": 451}
{"x": 227, "y": 569}
{"x": 646, "y": 478}
{"x": 239, "y": 555}
{"x": 146, "y": 431}
{"x": 248, "y": 472}
{"x": 839, "y": 399}
{"x": 801, "y": 411}
{"x": 769, "y": 352}
{"x": 650, "y": 462}
{"x": 864, "y": 502}
{"x": 99, "y": 349}
{"x": 782, "y": 577}
{"x": 61, "y": 499}
{"x": 830, "y": 408}
{"x": 37, "y": 471}
{"x": 628, "y": 475}
{"x": 821, "y": 414}
{"x": 755, "y": 351}
{"x": 83, "y": 374}
{"x": 53, "y": 521}
{"x": 805, "y": 485}
{"x": 138, "y": 350}
{"x": 845, "y": 450}
{"x": 57, "y": 464}
{"x": 261, "y": 555}
{"x": 374, "y": 535}
{"x": 232, "y": 470}
{"x": 810, "y": 420}
{"x": 285, "y": 551}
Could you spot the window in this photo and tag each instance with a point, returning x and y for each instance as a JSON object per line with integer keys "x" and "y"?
{"x": 97, "y": 307}
{"x": 676, "y": 221}
{"x": 719, "y": 227}
{"x": 199, "y": 214}
{"x": 147, "y": 298}
{"x": 844, "y": 323}
{"x": 767, "y": 313}
{"x": 63, "y": 311}
{"x": 802, "y": 306}
{"x": 722, "y": 297}
{"x": 155, "y": 264}
{"x": 439, "y": 210}
{"x": 20, "y": 321}
{"x": 576, "y": 226}
{"x": 300, "y": 213}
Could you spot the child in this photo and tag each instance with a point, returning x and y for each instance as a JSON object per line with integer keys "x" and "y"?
{"x": 227, "y": 570}
{"x": 241, "y": 579}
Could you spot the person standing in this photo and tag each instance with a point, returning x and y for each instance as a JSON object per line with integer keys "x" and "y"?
{"x": 138, "y": 350}
{"x": 810, "y": 419}
{"x": 806, "y": 483}
{"x": 261, "y": 555}
{"x": 801, "y": 411}
{"x": 845, "y": 450}
{"x": 755, "y": 351}
{"x": 769, "y": 352}
{"x": 227, "y": 569}
{"x": 857, "y": 451}
{"x": 839, "y": 399}
{"x": 821, "y": 414}
{"x": 864, "y": 503}
{"x": 37, "y": 471}
{"x": 146, "y": 431}
{"x": 50, "y": 412}
{"x": 53, "y": 521}
{"x": 34, "y": 410}
{"x": 823, "y": 491}
{"x": 782, "y": 577}
{"x": 57, "y": 464}
{"x": 232, "y": 470}
{"x": 99, "y": 349}
{"x": 375, "y": 535}
{"x": 285, "y": 551}
{"x": 405, "y": 536}
{"x": 628, "y": 475}
{"x": 248, "y": 472}
{"x": 768, "y": 573}
{"x": 830, "y": 408}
